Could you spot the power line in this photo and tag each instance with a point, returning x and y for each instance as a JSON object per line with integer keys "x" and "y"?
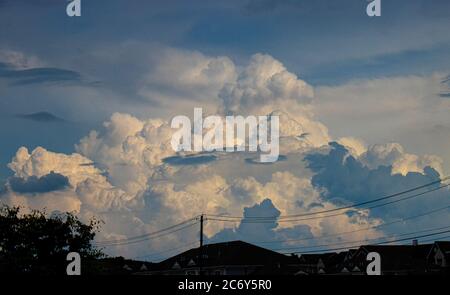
{"x": 128, "y": 242}
{"x": 362, "y": 241}
{"x": 201, "y": 219}
{"x": 200, "y": 256}
{"x": 339, "y": 208}
{"x": 377, "y": 226}
{"x": 166, "y": 251}
{"x": 287, "y": 218}
{"x": 147, "y": 234}
{"x": 380, "y": 243}
{"x": 151, "y": 237}
{"x": 243, "y": 219}
{"x": 361, "y": 229}
{"x": 434, "y": 239}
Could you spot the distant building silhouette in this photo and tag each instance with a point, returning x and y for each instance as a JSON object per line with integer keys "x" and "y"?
{"x": 395, "y": 259}
{"x": 229, "y": 258}
{"x": 241, "y": 258}
{"x": 439, "y": 256}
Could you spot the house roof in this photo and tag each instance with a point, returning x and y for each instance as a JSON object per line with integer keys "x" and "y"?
{"x": 314, "y": 258}
{"x": 398, "y": 257}
{"x": 330, "y": 262}
{"x": 115, "y": 266}
{"x": 398, "y": 249}
{"x": 444, "y": 246}
{"x": 336, "y": 261}
{"x": 227, "y": 253}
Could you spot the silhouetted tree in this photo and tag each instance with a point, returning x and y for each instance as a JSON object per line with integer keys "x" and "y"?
{"x": 37, "y": 243}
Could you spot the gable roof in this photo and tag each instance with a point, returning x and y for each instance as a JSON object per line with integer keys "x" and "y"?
{"x": 443, "y": 246}
{"x": 227, "y": 253}
{"x": 330, "y": 262}
{"x": 315, "y": 258}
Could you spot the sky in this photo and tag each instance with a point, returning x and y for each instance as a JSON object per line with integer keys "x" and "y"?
{"x": 86, "y": 104}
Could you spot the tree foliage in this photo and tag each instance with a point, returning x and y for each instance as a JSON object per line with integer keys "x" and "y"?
{"x": 36, "y": 243}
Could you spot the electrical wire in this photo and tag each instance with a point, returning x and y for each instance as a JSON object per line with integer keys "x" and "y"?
{"x": 362, "y": 241}
{"x": 380, "y": 243}
{"x": 359, "y": 230}
{"x": 146, "y": 238}
{"x": 286, "y": 218}
{"x": 340, "y": 208}
{"x": 244, "y": 219}
{"x": 166, "y": 251}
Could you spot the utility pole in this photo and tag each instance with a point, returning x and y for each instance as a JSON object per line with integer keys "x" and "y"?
{"x": 201, "y": 231}
{"x": 200, "y": 260}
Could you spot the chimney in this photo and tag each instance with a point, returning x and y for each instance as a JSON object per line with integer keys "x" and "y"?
{"x": 415, "y": 242}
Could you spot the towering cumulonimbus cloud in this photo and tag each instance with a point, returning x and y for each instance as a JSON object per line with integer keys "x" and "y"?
{"x": 265, "y": 86}
{"x": 128, "y": 175}
{"x": 264, "y": 81}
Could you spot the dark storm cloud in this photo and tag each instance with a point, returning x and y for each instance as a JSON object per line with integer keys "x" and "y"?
{"x": 88, "y": 164}
{"x": 38, "y": 75}
{"x": 45, "y": 117}
{"x": 47, "y": 183}
{"x": 189, "y": 160}
{"x": 256, "y": 160}
{"x": 345, "y": 178}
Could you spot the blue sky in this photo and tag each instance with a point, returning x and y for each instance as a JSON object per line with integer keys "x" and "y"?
{"x": 61, "y": 77}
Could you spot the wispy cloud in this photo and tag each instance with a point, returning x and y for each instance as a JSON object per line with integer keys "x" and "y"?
{"x": 38, "y": 75}
{"x": 40, "y": 117}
